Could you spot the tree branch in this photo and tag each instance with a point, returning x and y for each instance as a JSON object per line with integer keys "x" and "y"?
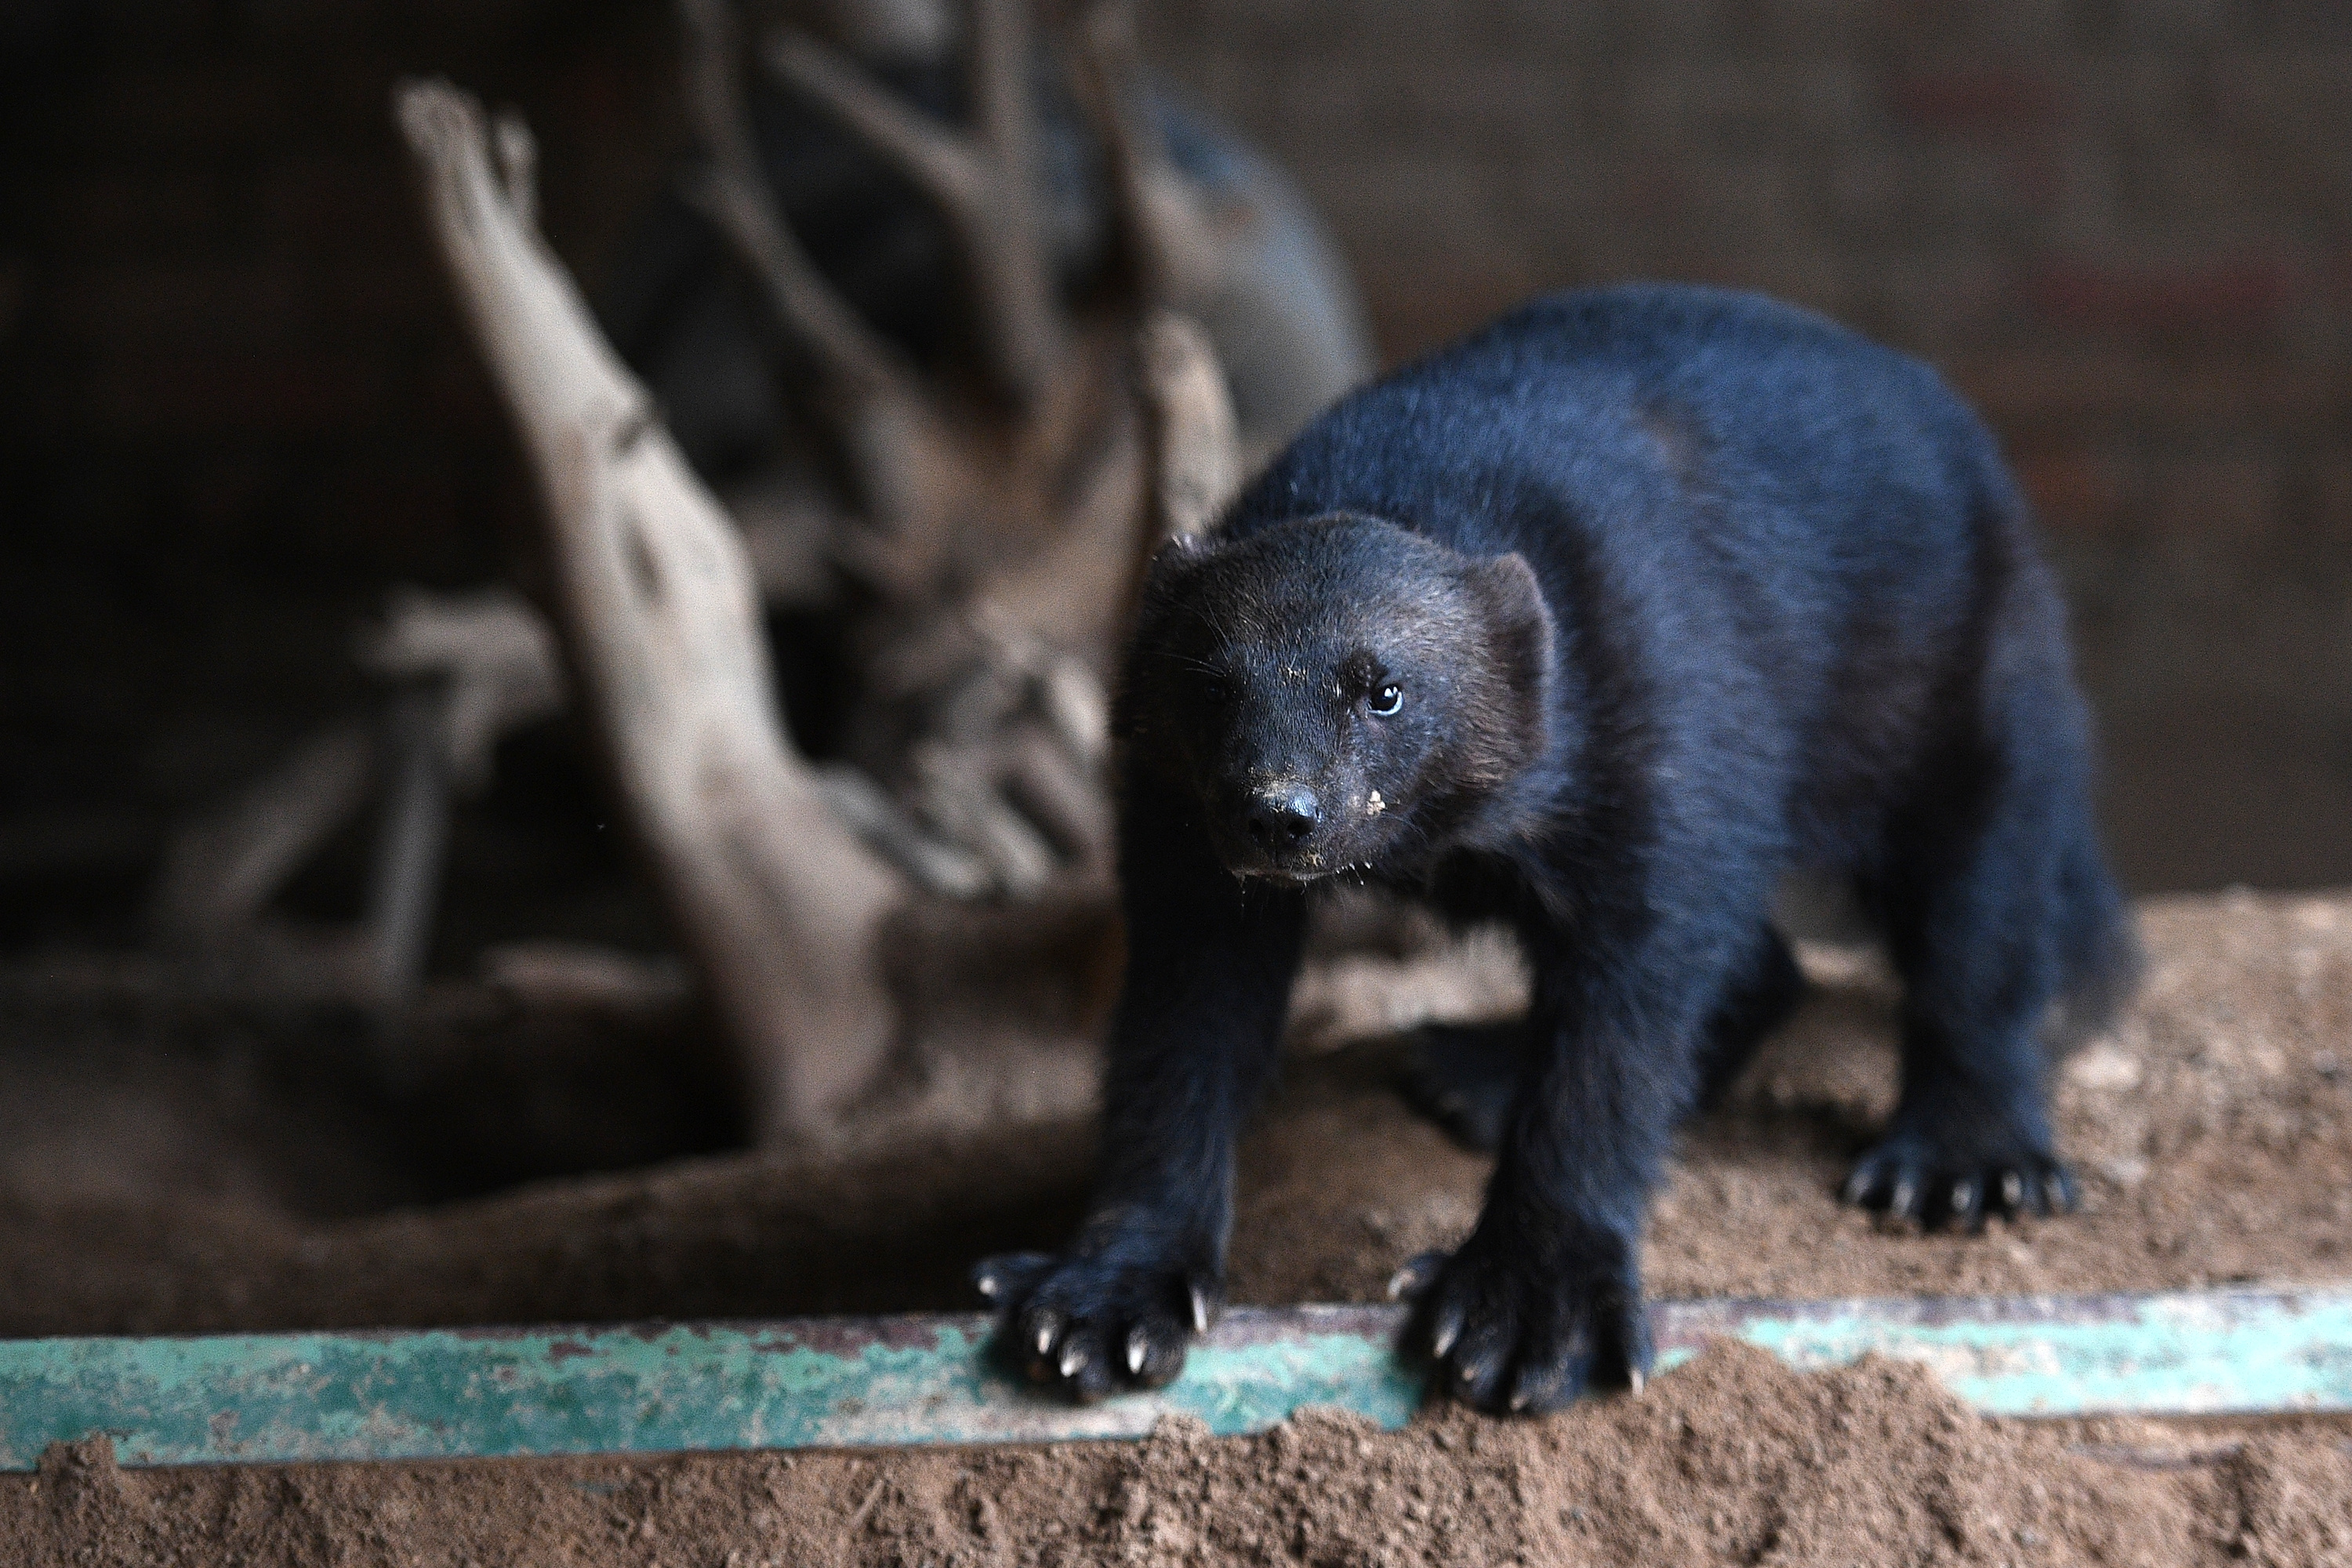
{"x": 856, "y": 363}
{"x": 984, "y": 184}
{"x": 1196, "y": 455}
{"x": 1159, "y": 232}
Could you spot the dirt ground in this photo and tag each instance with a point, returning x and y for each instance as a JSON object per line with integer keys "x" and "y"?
{"x": 163, "y": 1172}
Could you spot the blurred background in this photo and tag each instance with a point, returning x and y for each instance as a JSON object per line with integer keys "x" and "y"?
{"x": 236, "y": 405}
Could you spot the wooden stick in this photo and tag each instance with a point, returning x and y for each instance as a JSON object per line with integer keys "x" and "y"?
{"x": 845, "y": 351}
{"x": 1165, "y": 240}
{"x": 984, "y": 184}
{"x": 1196, "y": 457}
{"x": 221, "y": 871}
{"x": 904, "y": 460}
{"x": 405, "y": 881}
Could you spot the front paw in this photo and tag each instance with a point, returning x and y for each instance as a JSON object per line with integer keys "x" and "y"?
{"x": 1915, "y": 1177}
{"x": 1508, "y": 1330}
{"x": 1111, "y": 1314}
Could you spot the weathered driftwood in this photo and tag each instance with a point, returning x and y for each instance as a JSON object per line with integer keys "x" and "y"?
{"x": 997, "y": 521}
{"x": 776, "y": 902}
{"x": 979, "y": 774}
{"x": 780, "y": 903}
{"x": 1000, "y": 518}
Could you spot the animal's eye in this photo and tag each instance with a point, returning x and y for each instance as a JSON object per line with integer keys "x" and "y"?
{"x": 1388, "y": 700}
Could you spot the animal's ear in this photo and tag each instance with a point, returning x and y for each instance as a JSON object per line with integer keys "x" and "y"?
{"x": 1177, "y": 556}
{"x": 1178, "y": 549}
{"x": 1519, "y": 634}
{"x": 1518, "y": 622}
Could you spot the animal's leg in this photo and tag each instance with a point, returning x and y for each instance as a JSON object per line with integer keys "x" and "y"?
{"x": 1462, "y": 1077}
{"x": 1762, "y": 991}
{"x": 1545, "y": 1296}
{"x": 1210, "y": 964}
{"x": 1982, "y": 911}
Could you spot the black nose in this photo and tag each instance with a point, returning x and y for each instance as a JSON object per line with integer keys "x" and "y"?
{"x": 1282, "y": 819}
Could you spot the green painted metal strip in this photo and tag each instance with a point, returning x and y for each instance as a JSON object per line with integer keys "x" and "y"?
{"x": 818, "y": 1383}
{"x": 2176, "y": 1353}
{"x": 857, "y": 1381}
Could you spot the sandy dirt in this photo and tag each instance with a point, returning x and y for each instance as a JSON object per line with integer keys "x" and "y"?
{"x": 2213, "y": 1130}
{"x": 1732, "y": 1459}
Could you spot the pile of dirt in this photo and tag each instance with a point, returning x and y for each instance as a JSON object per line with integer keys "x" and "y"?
{"x": 1732, "y": 1459}
{"x": 2212, "y": 1129}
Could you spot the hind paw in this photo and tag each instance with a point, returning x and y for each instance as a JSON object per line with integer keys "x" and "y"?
{"x": 1462, "y": 1077}
{"x": 1944, "y": 1190}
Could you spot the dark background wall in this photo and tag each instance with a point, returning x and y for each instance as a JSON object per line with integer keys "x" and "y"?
{"x": 234, "y": 405}
{"x": 235, "y": 402}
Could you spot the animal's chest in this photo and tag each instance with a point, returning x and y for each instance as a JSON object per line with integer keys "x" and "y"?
{"x": 1525, "y": 891}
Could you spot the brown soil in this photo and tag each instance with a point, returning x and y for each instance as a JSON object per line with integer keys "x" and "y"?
{"x": 1733, "y": 1459}
{"x": 2214, "y": 1130}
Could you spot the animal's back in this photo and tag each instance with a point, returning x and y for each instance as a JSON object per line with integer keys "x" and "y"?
{"x": 1796, "y": 537}
{"x": 1746, "y": 433}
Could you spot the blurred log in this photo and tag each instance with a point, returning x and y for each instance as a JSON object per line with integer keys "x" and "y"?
{"x": 778, "y": 904}
{"x": 1006, "y": 537}
{"x": 1196, "y": 455}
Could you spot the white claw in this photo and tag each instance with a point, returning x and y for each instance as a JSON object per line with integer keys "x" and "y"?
{"x": 1045, "y": 1336}
{"x": 1904, "y": 1191}
{"x": 2012, "y": 1189}
{"x": 1402, "y": 1281}
{"x": 988, "y": 1286}
{"x": 1200, "y": 1311}
{"x": 1446, "y": 1334}
{"x": 1633, "y": 1381}
{"x": 1963, "y": 1195}
{"x": 1137, "y": 1348}
{"x": 1856, "y": 1187}
{"x": 1520, "y": 1400}
{"x": 1073, "y": 1360}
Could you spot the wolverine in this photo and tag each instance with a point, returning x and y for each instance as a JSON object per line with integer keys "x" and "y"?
{"x": 1595, "y": 625}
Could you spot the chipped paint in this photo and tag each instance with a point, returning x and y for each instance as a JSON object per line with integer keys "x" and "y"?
{"x": 844, "y": 1382}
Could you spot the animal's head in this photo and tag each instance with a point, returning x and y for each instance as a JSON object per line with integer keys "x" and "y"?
{"x": 1335, "y": 692}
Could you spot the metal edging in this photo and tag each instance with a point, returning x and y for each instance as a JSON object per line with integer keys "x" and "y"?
{"x": 860, "y": 1382}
